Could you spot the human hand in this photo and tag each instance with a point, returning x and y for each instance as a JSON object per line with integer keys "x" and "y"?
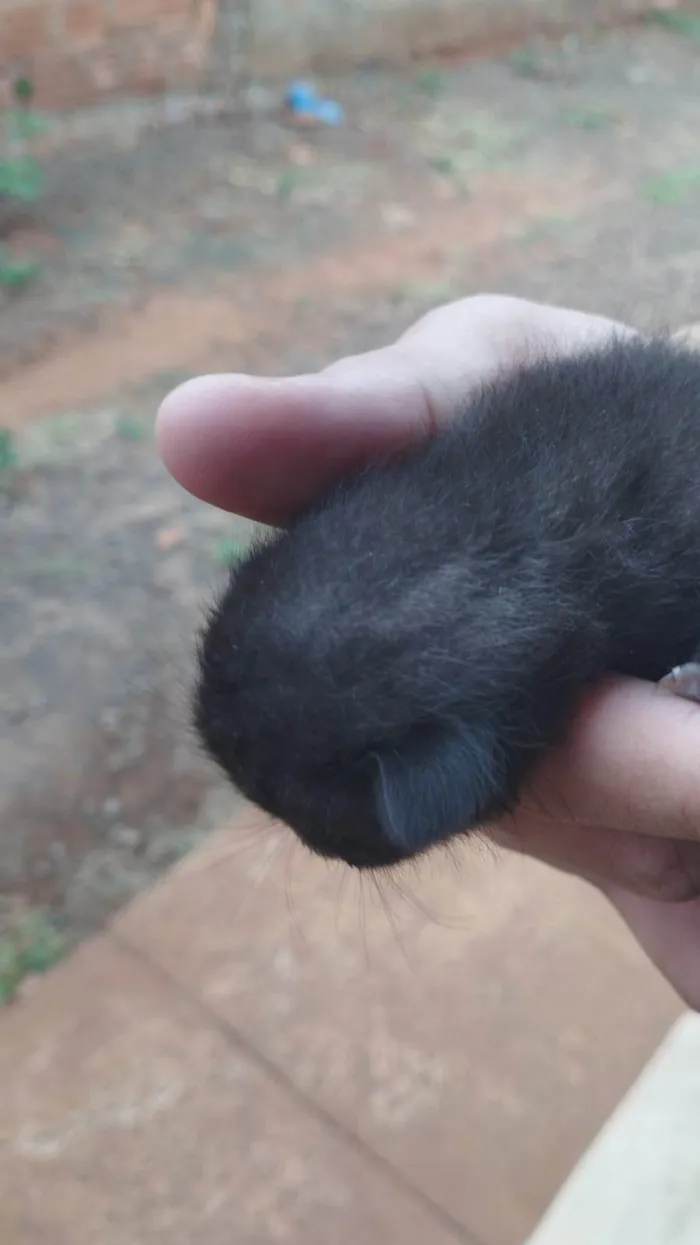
{"x": 619, "y": 804}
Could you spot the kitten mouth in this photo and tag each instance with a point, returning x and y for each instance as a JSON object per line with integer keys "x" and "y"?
{"x": 359, "y": 853}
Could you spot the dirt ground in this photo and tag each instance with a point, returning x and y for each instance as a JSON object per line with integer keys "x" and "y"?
{"x": 569, "y": 172}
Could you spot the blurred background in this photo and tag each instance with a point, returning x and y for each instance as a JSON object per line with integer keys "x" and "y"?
{"x": 253, "y": 185}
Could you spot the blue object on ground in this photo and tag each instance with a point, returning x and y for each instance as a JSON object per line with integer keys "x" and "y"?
{"x": 329, "y": 112}
{"x": 302, "y": 97}
{"x": 304, "y": 100}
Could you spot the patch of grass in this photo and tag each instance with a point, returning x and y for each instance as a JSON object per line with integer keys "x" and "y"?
{"x": 32, "y": 945}
{"x": 673, "y": 188}
{"x": 425, "y": 294}
{"x": 21, "y": 175}
{"x": 57, "y": 568}
{"x": 130, "y": 429}
{"x": 166, "y": 849}
{"x": 24, "y": 90}
{"x": 557, "y": 225}
{"x": 228, "y": 551}
{"x": 430, "y": 82}
{"x": 168, "y": 378}
{"x": 571, "y": 44}
{"x": 15, "y": 274}
{"x": 9, "y": 458}
{"x": 23, "y": 124}
{"x": 678, "y": 21}
{"x": 445, "y": 165}
{"x": 461, "y": 143}
{"x": 288, "y": 181}
{"x": 528, "y": 62}
{"x": 589, "y": 117}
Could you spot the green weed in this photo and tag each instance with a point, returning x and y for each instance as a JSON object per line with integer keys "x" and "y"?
{"x": 8, "y": 451}
{"x": 288, "y": 181}
{"x": 557, "y": 225}
{"x": 23, "y": 90}
{"x": 445, "y": 165}
{"x": 23, "y": 124}
{"x": 673, "y": 188}
{"x": 590, "y": 117}
{"x": 21, "y": 178}
{"x": 528, "y": 62}
{"x": 15, "y": 274}
{"x": 228, "y": 551}
{"x": 424, "y": 294}
{"x": 32, "y": 945}
{"x": 21, "y": 174}
{"x": 130, "y": 429}
{"x": 431, "y": 82}
{"x": 678, "y": 21}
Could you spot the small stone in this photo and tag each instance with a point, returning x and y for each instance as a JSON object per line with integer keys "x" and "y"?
{"x": 126, "y": 836}
{"x": 398, "y": 216}
{"x": 301, "y": 155}
{"x": 168, "y": 538}
{"x": 112, "y": 806}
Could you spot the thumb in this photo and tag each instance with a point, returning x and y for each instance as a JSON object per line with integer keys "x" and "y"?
{"x": 264, "y": 448}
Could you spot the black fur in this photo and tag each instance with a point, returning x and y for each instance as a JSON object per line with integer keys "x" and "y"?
{"x": 387, "y": 672}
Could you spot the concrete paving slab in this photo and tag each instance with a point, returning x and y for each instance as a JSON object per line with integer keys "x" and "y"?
{"x": 479, "y": 1055}
{"x": 127, "y": 1118}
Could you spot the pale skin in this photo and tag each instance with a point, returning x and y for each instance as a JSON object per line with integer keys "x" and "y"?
{"x": 619, "y": 805}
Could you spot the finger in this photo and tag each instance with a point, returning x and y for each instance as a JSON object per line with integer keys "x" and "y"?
{"x": 264, "y": 448}
{"x": 658, "y": 869}
{"x": 626, "y": 731}
{"x": 670, "y": 936}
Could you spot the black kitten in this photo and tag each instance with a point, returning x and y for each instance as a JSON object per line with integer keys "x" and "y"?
{"x": 387, "y": 672}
